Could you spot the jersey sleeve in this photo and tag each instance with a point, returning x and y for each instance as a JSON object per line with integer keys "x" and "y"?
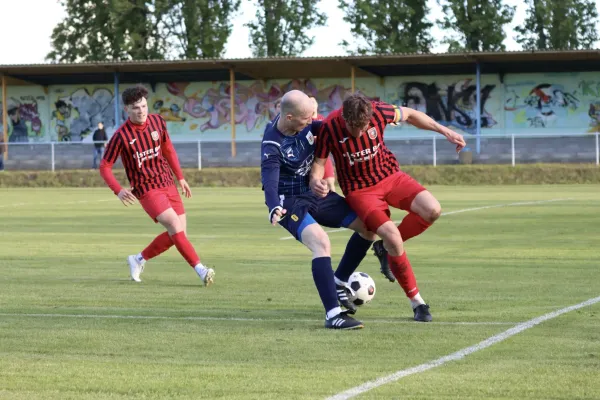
{"x": 323, "y": 147}
{"x": 269, "y": 171}
{"x": 391, "y": 114}
{"x": 169, "y": 151}
{"x": 111, "y": 155}
{"x": 113, "y": 149}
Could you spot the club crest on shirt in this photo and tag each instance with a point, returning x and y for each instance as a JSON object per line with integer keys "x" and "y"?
{"x": 372, "y": 132}
{"x": 154, "y": 136}
{"x": 310, "y": 138}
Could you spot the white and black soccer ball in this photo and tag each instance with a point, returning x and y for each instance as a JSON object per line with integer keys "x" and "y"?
{"x": 363, "y": 286}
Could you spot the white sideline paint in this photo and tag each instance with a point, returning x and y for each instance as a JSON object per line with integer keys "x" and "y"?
{"x": 464, "y": 210}
{"x": 365, "y": 387}
{"x": 166, "y": 317}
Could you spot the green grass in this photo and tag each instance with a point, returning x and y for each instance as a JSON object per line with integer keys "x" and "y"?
{"x": 63, "y": 252}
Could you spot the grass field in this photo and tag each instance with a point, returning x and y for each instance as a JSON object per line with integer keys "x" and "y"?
{"x": 72, "y": 326}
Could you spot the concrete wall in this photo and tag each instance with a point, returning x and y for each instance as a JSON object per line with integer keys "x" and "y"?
{"x": 579, "y": 149}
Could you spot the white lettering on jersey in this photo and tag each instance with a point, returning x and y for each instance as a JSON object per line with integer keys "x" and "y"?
{"x": 146, "y": 155}
{"x": 363, "y": 155}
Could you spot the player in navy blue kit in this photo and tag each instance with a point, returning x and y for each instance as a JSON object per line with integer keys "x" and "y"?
{"x": 287, "y": 154}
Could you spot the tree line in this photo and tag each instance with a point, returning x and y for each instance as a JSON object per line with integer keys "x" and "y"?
{"x": 114, "y": 30}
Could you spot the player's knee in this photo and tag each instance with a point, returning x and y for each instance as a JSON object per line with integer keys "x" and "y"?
{"x": 433, "y": 213}
{"x": 392, "y": 241}
{"x": 317, "y": 241}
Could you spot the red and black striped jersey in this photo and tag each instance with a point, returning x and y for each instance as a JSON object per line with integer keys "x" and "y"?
{"x": 364, "y": 161}
{"x": 141, "y": 150}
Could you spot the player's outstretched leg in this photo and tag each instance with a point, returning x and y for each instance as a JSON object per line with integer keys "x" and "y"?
{"x": 424, "y": 211}
{"x": 159, "y": 245}
{"x": 315, "y": 238}
{"x": 356, "y": 250}
{"x": 402, "y": 270}
{"x": 175, "y": 228}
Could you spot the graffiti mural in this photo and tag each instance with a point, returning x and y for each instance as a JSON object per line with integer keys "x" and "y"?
{"x": 202, "y": 109}
{"x": 76, "y": 112}
{"x": 553, "y": 103}
{"x": 24, "y": 120}
{"x": 549, "y": 103}
{"x": 451, "y": 104}
{"x": 543, "y": 105}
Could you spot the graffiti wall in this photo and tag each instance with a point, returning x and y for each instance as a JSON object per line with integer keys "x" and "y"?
{"x": 553, "y": 103}
{"x": 27, "y": 114}
{"x": 526, "y": 103}
{"x": 450, "y": 100}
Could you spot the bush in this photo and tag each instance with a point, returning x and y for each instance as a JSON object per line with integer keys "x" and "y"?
{"x": 250, "y": 177}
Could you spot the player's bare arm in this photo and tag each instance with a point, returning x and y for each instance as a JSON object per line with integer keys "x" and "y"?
{"x": 317, "y": 184}
{"x": 423, "y": 121}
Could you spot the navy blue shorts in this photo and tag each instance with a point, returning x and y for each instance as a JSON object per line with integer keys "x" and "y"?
{"x": 331, "y": 211}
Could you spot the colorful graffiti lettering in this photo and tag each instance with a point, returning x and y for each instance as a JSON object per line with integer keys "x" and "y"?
{"x": 451, "y": 105}
{"x": 254, "y": 104}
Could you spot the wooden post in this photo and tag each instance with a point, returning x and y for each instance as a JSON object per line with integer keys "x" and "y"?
{"x": 352, "y": 80}
{"x": 232, "y": 109}
{"x": 4, "y": 118}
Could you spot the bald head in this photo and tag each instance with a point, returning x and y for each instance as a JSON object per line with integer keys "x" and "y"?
{"x": 295, "y": 102}
{"x": 296, "y": 111}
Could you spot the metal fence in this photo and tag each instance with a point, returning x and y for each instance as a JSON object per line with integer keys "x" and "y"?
{"x": 424, "y": 149}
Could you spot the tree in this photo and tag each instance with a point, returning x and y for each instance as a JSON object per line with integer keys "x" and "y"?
{"x": 388, "y": 26}
{"x": 200, "y": 28}
{"x": 112, "y": 30}
{"x": 87, "y": 33}
{"x": 479, "y": 24}
{"x": 559, "y": 24}
{"x": 280, "y": 27}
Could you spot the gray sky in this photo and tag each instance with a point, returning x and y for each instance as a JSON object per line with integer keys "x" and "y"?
{"x": 27, "y": 25}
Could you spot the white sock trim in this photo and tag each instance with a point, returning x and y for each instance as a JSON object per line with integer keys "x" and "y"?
{"x": 333, "y": 312}
{"x": 416, "y": 301}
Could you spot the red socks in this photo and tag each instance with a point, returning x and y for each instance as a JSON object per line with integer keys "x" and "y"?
{"x": 402, "y": 270}
{"x": 185, "y": 248}
{"x": 412, "y": 225}
{"x": 158, "y": 246}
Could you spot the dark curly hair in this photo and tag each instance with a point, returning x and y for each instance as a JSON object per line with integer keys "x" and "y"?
{"x": 357, "y": 110}
{"x": 133, "y": 95}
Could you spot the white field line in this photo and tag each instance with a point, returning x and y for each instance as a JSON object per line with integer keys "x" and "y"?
{"x": 365, "y": 387}
{"x": 464, "y": 210}
{"x": 55, "y": 203}
{"x": 171, "y": 318}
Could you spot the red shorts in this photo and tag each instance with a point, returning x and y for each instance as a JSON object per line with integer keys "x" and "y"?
{"x": 329, "y": 173}
{"x": 371, "y": 204}
{"x": 157, "y": 201}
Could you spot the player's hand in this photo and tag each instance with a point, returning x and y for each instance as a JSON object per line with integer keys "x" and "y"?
{"x": 277, "y": 215}
{"x": 185, "y": 188}
{"x": 126, "y": 197}
{"x": 456, "y": 139}
{"x": 319, "y": 187}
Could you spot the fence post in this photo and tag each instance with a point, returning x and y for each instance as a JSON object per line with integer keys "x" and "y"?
{"x": 597, "y": 150}
{"x": 512, "y": 148}
{"x": 199, "y": 155}
{"x": 52, "y": 155}
{"x": 434, "y": 152}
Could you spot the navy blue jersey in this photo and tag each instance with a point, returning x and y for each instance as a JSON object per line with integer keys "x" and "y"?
{"x": 286, "y": 162}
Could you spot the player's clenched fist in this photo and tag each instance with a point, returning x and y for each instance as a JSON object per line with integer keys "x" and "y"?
{"x": 126, "y": 196}
{"x": 319, "y": 187}
{"x": 277, "y": 214}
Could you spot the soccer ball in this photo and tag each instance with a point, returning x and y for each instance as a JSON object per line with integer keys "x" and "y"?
{"x": 363, "y": 286}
